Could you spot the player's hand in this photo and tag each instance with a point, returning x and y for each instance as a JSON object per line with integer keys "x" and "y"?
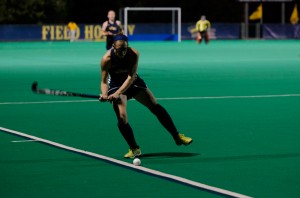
{"x": 114, "y": 97}
{"x": 103, "y": 98}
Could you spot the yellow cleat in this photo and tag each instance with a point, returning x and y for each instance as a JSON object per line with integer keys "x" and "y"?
{"x": 132, "y": 153}
{"x": 181, "y": 139}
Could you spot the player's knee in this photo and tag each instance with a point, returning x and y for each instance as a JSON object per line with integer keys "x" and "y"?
{"x": 122, "y": 119}
{"x": 157, "y": 109}
{"x": 122, "y": 123}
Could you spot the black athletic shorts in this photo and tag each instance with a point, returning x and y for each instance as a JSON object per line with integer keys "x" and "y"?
{"x": 203, "y": 33}
{"x": 134, "y": 89}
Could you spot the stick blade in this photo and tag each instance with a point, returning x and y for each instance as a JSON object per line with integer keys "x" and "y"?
{"x": 34, "y": 86}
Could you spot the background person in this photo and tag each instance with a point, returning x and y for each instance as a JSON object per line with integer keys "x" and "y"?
{"x": 110, "y": 28}
{"x": 72, "y": 27}
{"x": 203, "y": 28}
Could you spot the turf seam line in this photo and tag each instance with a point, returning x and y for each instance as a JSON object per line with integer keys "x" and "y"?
{"x": 128, "y": 165}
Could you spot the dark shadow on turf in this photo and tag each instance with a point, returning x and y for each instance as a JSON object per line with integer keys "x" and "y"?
{"x": 168, "y": 155}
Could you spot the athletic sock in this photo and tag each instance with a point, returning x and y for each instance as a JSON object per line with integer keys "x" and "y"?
{"x": 128, "y": 135}
{"x": 165, "y": 119}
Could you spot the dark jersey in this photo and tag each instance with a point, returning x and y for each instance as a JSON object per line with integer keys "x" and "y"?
{"x": 118, "y": 73}
{"x": 113, "y": 28}
{"x": 120, "y": 67}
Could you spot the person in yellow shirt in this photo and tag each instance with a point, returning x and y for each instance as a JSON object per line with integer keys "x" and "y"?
{"x": 203, "y": 28}
{"x": 72, "y": 26}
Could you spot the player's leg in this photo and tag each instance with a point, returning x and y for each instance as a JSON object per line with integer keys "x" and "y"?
{"x": 73, "y": 35}
{"x": 109, "y": 42}
{"x": 146, "y": 98}
{"x": 206, "y": 37}
{"x": 124, "y": 127}
{"x": 202, "y": 36}
{"x": 198, "y": 37}
{"x": 107, "y": 45}
{"x": 70, "y": 35}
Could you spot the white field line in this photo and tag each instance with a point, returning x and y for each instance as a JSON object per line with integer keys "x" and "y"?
{"x": 230, "y": 97}
{"x": 128, "y": 165}
{"x": 173, "y": 98}
{"x": 20, "y": 141}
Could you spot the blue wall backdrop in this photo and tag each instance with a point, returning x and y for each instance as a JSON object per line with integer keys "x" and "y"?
{"x": 140, "y": 31}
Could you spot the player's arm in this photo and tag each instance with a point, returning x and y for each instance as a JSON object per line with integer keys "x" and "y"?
{"x": 104, "y": 32}
{"x": 208, "y": 24}
{"x": 130, "y": 78}
{"x": 120, "y": 26}
{"x": 208, "y": 27}
{"x": 198, "y": 26}
{"x": 105, "y": 63}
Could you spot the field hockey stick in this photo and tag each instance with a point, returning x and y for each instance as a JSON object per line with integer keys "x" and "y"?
{"x": 54, "y": 92}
